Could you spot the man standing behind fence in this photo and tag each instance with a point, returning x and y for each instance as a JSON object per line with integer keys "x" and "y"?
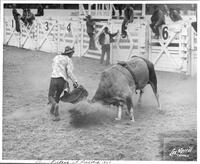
{"x": 105, "y": 38}
{"x": 91, "y": 30}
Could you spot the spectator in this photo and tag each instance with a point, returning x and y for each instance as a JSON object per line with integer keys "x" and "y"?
{"x": 16, "y": 16}
{"x": 40, "y": 11}
{"x": 157, "y": 20}
{"x": 24, "y": 17}
{"x": 113, "y": 12}
{"x": 128, "y": 18}
{"x": 91, "y": 31}
{"x": 62, "y": 71}
{"x": 105, "y": 38}
{"x": 166, "y": 10}
{"x": 120, "y": 10}
{"x": 174, "y": 15}
{"x": 30, "y": 17}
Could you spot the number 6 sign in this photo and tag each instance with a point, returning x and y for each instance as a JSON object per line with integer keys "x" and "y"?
{"x": 165, "y": 33}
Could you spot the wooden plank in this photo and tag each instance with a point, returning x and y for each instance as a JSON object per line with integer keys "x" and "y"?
{"x": 168, "y": 48}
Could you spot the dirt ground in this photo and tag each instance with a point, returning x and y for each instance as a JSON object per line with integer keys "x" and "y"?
{"x": 30, "y": 134}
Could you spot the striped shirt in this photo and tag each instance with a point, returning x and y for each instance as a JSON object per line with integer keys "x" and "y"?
{"x": 63, "y": 67}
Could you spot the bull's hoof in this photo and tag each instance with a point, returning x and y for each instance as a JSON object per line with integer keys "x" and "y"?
{"x": 132, "y": 119}
{"x": 159, "y": 109}
{"x": 161, "y": 112}
{"x": 89, "y": 101}
{"x": 118, "y": 119}
{"x": 127, "y": 113}
{"x": 56, "y": 118}
{"x": 139, "y": 104}
{"x": 51, "y": 112}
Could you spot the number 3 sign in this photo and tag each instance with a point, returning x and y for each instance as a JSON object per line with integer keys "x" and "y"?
{"x": 165, "y": 33}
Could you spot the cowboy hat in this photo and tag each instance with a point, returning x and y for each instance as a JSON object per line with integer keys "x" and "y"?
{"x": 68, "y": 50}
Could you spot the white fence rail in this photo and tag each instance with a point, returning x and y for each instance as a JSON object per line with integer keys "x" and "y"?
{"x": 176, "y": 53}
{"x": 49, "y": 35}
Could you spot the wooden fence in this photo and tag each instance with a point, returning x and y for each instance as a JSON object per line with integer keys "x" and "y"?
{"x": 174, "y": 51}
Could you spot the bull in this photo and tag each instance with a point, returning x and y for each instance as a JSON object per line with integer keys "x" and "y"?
{"x": 119, "y": 82}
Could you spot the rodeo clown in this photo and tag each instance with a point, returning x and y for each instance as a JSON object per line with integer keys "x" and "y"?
{"x": 62, "y": 71}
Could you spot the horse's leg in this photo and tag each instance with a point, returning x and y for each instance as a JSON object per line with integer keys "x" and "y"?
{"x": 141, "y": 93}
{"x": 129, "y": 103}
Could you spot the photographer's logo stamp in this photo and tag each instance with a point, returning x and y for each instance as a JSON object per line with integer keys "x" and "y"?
{"x": 180, "y": 149}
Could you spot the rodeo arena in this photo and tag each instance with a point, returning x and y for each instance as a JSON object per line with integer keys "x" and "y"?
{"x": 99, "y": 82}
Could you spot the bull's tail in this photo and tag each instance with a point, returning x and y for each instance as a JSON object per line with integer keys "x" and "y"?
{"x": 152, "y": 75}
{"x": 153, "y": 80}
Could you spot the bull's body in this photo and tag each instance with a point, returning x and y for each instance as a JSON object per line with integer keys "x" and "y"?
{"x": 119, "y": 83}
